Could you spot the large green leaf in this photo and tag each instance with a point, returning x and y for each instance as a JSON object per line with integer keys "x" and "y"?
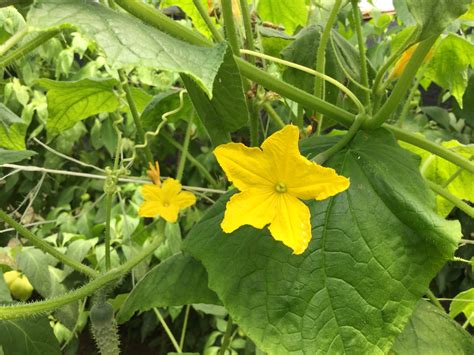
{"x": 73, "y": 101}
{"x": 449, "y": 66}
{"x": 433, "y": 16}
{"x": 375, "y": 248}
{"x": 33, "y": 336}
{"x": 177, "y": 281}
{"x": 227, "y": 110}
{"x": 431, "y": 331}
{"x": 127, "y": 41}
{"x": 290, "y": 14}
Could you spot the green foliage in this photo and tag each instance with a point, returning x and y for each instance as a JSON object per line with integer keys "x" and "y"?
{"x": 463, "y": 303}
{"x": 12, "y": 129}
{"x": 177, "y": 281}
{"x": 290, "y": 14}
{"x": 440, "y": 171}
{"x": 434, "y": 18}
{"x": 383, "y": 226}
{"x": 70, "y": 102}
{"x": 28, "y": 336}
{"x": 449, "y": 66}
{"x": 106, "y": 27}
{"x": 430, "y": 331}
{"x": 14, "y": 156}
{"x": 227, "y": 110}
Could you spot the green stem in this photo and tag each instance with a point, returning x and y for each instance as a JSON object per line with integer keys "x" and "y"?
{"x": 433, "y": 299}
{"x": 185, "y": 326}
{"x": 273, "y": 115}
{"x": 13, "y": 40}
{"x": 317, "y": 74}
{"x": 168, "y": 331}
{"x": 383, "y": 69}
{"x": 322, "y": 157}
{"x": 47, "y": 248}
{"x": 226, "y": 339}
{"x": 249, "y": 43}
{"x": 191, "y": 159}
{"x": 364, "y": 74}
{"x": 319, "y": 84}
{"x": 155, "y": 18}
{"x": 229, "y": 26}
{"x": 461, "y": 260}
{"x": 456, "y": 201}
{"x": 207, "y": 19}
{"x": 407, "y": 104}
{"x": 135, "y": 114}
{"x": 108, "y": 216}
{"x": 455, "y": 175}
{"x": 30, "y": 309}
{"x": 27, "y": 47}
{"x": 400, "y": 89}
{"x": 184, "y": 151}
{"x": 254, "y": 119}
{"x": 439, "y": 150}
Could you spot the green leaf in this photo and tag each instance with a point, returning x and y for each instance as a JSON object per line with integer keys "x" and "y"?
{"x": 14, "y": 156}
{"x": 289, "y": 14}
{"x": 12, "y": 129}
{"x": 188, "y": 7}
{"x": 431, "y": 331}
{"x": 449, "y": 66}
{"x": 77, "y": 251}
{"x": 374, "y": 250}
{"x": 32, "y": 336}
{"x": 227, "y": 110}
{"x": 438, "y": 170}
{"x": 177, "y": 281}
{"x": 162, "y": 103}
{"x": 11, "y": 22}
{"x": 72, "y": 101}
{"x": 127, "y": 41}
{"x": 463, "y": 303}
{"x": 434, "y": 17}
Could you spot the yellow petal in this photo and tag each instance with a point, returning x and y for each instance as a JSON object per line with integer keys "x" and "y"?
{"x": 185, "y": 199}
{"x": 170, "y": 189}
{"x": 151, "y": 192}
{"x": 170, "y": 213}
{"x": 291, "y": 224}
{"x": 255, "y": 207}
{"x": 150, "y": 209}
{"x": 281, "y": 148}
{"x": 245, "y": 167}
{"x": 311, "y": 180}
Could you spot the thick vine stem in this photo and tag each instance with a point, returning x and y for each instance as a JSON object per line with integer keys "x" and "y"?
{"x": 364, "y": 74}
{"x": 41, "y": 244}
{"x": 320, "y": 66}
{"x": 28, "y": 47}
{"x": 30, "y": 309}
{"x": 322, "y": 157}
{"x": 229, "y": 25}
{"x": 249, "y": 43}
{"x": 401, "y": 87}
{"x": 207, "y": 19}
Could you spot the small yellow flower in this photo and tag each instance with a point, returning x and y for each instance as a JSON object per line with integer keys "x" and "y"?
{"x": 272, "y": 179}
{"x": 402, "y": 62}
{"x": 164, "y": 200}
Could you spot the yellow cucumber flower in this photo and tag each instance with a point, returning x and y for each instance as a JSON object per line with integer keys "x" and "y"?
{"x": 402, "y": 62}
{"x": 164, "y": 199}
{"x": 272, "y": 180}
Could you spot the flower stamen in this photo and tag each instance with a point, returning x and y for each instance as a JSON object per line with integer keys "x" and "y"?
{"x": 281, "y": 187}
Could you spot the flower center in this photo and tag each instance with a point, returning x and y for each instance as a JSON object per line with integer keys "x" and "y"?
{"x": 166, "y": 204}
{"x": 280, "y": 187}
